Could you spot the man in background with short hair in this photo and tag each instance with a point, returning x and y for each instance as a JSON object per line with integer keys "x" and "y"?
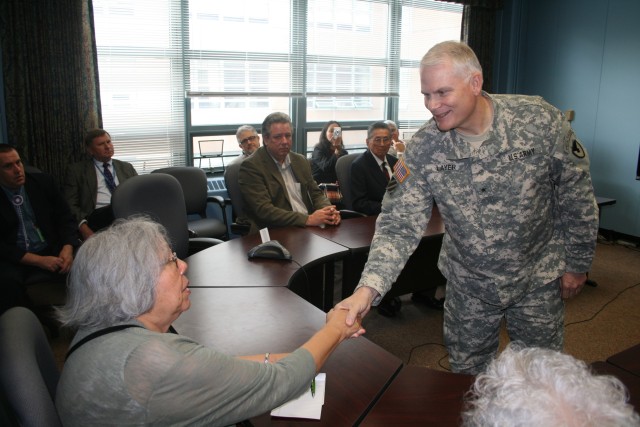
{"x": 277, "y": 186}
{"x": 371, "y": 170}
{"x": 397, "y": 145}
{"x": 248, "y": 141}
{"x": 37, "y": 231}
{"x": 89, "y": 183}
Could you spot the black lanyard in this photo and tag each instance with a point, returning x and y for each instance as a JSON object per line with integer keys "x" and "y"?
{"x": 105, "y": 331}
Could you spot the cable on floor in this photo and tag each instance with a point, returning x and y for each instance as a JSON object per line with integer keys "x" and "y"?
{"x": 604, "y": 306}
{"x": 440, "y": 361}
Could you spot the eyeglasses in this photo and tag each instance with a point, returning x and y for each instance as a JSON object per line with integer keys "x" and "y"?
{"x": 174, "y": 258}
{"x": 249, "y": 138}
{"x": 381, "y": 141}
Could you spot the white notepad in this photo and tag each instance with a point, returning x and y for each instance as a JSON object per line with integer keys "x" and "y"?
{"x": 305, "y": 406}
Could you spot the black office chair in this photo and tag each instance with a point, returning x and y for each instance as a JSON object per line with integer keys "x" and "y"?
{"x": 349, "y": 214}
{"x": 159, "y": 196}
{"x": 46, "y": 291}
{"x": 240, "y": 225}
{"x": 28, "y": 372}
{"x": 194, "y": 187}
{"x": 343, "y": 172}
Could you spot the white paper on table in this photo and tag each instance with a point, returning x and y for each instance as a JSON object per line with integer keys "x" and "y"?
{"x": 305, "y": 406}
{"x": 264, "y": 235}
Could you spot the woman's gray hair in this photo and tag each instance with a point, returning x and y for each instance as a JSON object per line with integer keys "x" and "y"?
{"x": 463, "y": 59}
{"x": 542, "y": 387}
{"x": 114, "y": 274}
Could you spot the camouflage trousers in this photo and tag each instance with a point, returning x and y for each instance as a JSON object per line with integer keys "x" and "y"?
{"x": 472, "y": 326}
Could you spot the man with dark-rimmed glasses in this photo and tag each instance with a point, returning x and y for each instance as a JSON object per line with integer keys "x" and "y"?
{"x": 248, "y": 141}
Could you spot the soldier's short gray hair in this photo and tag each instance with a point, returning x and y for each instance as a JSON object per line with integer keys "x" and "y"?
{"x": 462, "y": 57}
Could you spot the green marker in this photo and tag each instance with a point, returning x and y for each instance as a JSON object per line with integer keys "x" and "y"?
{"x": 313, "y": 387}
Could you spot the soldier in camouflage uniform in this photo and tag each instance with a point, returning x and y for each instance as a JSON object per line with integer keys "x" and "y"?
{"x": 512, "y": 184}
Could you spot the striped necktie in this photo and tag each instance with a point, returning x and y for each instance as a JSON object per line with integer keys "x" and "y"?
{"x": 385, "y": 170}
{"x": 108, "y": 177}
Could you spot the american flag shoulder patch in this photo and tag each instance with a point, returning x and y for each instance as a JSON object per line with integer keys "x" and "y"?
{"x": 401, "y": 171}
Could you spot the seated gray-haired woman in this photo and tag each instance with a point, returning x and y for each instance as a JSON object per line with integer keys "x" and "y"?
{"x": 125, "y": 290}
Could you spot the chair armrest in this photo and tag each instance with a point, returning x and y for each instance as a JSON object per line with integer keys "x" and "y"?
{"x": 222, "y": 203}
{"x": 241, "y": 229}
{"x": 200, "y": 243}
{"x": 219, "y": 200}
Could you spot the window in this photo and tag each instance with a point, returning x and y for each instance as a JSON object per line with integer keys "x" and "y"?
{"x": 241, "y": 63}
{"x": 141, "y": 80}
{"x": 424, "y": 24}
{"x": 175, "y": 70}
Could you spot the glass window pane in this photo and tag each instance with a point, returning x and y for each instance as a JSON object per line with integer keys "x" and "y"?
{"x": 240, "y": 25}
{"x": 141, "y": 80}
{"x": 347, "y": 29}
{"x": 223, "y": 110}
{"x": 343, "y": 108}
{"x": 240, "y": 61}
{"x": 422, "y": 27}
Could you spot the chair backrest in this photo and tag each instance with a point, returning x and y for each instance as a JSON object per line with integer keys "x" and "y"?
{"x": 343, "y": 172}
{"x": 28, "y": 372}
{"x": 159, "y": 196}
{"x": 233, "y": 187}
{"x": 193, "y": 181}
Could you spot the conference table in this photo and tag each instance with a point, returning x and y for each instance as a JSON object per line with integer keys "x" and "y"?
{"x": 244, "y": 321}
{"x": 419, "y": 273}
{"x": 241, "y": 306}
{"x": 629, "y": 360}
{"x": 420, "y": 396}
{"x": 630, "y": 381}
{"x": 309, "y": 273}
{"x": 314, "y": 251}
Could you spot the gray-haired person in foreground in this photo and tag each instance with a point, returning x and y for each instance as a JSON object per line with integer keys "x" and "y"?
{"x": 541, "y": 387}
{"x": 126, "y": 288}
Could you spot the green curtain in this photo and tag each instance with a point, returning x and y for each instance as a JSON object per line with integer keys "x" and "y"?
{"x": 50, "y": 68}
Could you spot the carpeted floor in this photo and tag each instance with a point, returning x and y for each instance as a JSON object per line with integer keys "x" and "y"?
{"x": 600, "y": 321}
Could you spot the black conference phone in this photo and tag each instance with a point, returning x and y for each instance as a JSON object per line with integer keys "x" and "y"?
{"x": 271, "y": 249}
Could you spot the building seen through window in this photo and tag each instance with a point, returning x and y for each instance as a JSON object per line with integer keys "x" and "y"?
{"x": 176, "y": 72}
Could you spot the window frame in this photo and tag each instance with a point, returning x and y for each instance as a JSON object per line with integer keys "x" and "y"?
{"x": 301, "y": 94}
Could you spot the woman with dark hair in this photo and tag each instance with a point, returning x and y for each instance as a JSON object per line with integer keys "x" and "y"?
{"x": 326, "y": 153}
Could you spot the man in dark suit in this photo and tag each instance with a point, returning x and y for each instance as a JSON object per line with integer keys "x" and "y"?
{"x": 90, "y": 182}
{"x": 37, "y": 231}
{"x": 277, "y": 186}
{"x": 371, "y": 170}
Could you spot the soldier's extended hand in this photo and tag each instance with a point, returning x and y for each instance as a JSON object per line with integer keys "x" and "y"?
{"x": 358, "y": 304}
